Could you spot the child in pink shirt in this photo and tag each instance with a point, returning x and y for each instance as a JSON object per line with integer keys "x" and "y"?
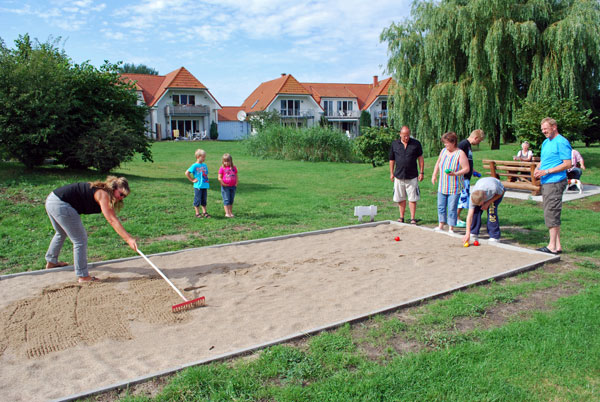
{"x": 228, "y": 178}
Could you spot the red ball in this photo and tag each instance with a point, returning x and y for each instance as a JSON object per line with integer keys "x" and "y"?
{"x": 476, "y": 243}
{"x": 397, "y": 238}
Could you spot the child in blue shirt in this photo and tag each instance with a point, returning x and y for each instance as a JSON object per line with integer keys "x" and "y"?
{"x": 198, "y": 174}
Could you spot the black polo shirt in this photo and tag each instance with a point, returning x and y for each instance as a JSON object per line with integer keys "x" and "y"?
{"x": 405, "y": 158}
{"x": 465, "y": 145}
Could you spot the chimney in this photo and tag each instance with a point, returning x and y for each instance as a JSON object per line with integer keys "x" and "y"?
{"x": 375, "y": 81}
{"x": 283, "y": 74}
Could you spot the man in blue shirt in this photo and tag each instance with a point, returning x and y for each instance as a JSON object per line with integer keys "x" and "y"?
{"x": 555, "y": 159}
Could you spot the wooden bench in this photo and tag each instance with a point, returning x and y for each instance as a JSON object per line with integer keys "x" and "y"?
{"x": 514, "y": 174}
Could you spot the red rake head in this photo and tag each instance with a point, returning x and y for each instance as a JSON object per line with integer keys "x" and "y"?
{"x": 188, "y": 305}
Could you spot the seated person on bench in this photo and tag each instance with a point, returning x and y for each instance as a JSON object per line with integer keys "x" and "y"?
{"x": 525, "y": 154}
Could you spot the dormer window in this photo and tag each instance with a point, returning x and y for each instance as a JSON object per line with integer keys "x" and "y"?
{"x": 184, "y": 99}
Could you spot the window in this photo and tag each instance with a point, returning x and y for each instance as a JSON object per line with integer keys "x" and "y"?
{"x": 383, "y": 105}
{"x": 184, "y": 99}
{"x": 328, "y": 106}
{"x": 344, "y": 106}
{"x": 290, "y": 107}
{"x": 186, "y": 127}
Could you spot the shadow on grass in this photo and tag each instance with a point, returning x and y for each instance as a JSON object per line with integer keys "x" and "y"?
{"x": 587, "y": 248}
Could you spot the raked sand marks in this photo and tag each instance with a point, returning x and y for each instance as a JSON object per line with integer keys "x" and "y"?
{"x": 65, "y": 315}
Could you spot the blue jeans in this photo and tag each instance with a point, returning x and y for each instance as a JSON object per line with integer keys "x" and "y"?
{"x": 228, "y": 194}
{"x": 447, "y": 204}
{"x": 493, "y": 224}
{"x": 67, "y": 223}
{"x": 200, "y": 196}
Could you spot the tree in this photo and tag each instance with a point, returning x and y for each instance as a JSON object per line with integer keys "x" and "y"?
{"x": 373, "y": 145}
{"x": 50, "y": 107}
{"x": 264, "y": 118}
{"x": 570, "y": 120}
{"x": 33, "y": 99}
{"x": 465, "y": 64}
{"x": 214, "y": 131}
{"x": 139, "y": 69}
{"x": 365, "y": 119}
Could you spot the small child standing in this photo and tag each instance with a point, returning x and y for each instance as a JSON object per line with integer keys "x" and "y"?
{"x": 198, "y": 174}
{"x": 228, "y": 179}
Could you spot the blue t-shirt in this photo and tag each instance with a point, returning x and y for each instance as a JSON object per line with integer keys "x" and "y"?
{"x": 554, "y": 152}
{"x": 200, "y": 173}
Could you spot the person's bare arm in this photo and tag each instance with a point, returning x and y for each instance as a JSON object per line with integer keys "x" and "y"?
{"x": 392, "y": 166}
{"x": 103, "y": 199}
{"x": 190, "y": 177}
{"x": 421, "y": 161}
{"x": 565, "y": 165}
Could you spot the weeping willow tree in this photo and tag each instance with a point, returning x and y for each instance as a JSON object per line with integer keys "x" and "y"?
{"x": 466, "y": 64}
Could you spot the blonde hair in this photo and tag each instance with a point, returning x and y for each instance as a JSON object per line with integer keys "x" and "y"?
{"x": 477, "y": 197}
{"x": 548, "y": 120}
{"x": 227, "y": 158}
{"x": 199, "y": 153}
{"x": 111, "y": 184}
{"x": 478, "y": 133}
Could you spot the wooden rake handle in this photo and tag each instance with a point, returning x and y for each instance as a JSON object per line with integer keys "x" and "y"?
{"x": 163, "y": 275}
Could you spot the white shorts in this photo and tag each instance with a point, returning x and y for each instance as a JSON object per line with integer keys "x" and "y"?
{"x": 404, "y": 189}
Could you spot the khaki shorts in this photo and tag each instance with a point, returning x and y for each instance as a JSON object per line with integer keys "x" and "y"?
{"x": 552, "y": 194}
{"x": 404, "y": 189}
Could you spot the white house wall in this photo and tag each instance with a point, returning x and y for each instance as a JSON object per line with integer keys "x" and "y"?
{"x": 202, "y": 99}
{"x": 307, "y": 106}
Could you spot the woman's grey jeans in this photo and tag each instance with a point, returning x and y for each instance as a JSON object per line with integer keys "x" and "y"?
{"x": 67, "y": 222}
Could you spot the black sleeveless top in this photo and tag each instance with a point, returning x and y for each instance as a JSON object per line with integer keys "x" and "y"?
{"x": 80, "y": 196}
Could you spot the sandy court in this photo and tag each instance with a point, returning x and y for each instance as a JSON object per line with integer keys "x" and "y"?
{"x": 58, "y": 338}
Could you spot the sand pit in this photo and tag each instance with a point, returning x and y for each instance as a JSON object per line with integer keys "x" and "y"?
{"x": 59, "y": 338}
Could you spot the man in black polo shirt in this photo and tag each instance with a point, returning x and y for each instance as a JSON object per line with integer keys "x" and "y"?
{"x": 404, "y": 154}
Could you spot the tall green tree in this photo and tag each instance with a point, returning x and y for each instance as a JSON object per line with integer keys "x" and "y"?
{"x": 83, "y": 116}
{"x": 139, "y": 69}
{"x": 465, "y": 64}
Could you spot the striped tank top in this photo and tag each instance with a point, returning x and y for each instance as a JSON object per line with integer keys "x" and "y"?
{"x": 450, "y": 184}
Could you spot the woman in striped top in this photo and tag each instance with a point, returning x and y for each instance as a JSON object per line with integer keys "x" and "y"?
{"x": 452, "y": 164}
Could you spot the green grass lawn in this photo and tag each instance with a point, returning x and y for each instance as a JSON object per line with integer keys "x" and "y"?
{"x": 545, "y": 355}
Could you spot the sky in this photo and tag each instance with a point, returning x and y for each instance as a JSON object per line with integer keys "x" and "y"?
{"x": 230, "y": 46}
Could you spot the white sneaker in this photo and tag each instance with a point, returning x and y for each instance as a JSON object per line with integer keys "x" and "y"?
{"x": 437, "y": 229}
{"x": 493, "y": 240}
{"x": 450, "y": 231}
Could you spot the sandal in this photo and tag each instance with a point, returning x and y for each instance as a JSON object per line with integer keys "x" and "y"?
{"x": 199, "y": 216}
{"x": 401, "y": 220}
{"x": 413, "y": 221}
{"x": 206, "y": 215}
{"x": 546, "y": 250}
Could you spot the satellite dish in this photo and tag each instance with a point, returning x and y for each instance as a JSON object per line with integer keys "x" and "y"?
{"x": 241, "y": 116}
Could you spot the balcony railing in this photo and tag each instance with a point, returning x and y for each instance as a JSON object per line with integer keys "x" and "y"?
{"x": 187, "y": 110}
{"x": 382, "y": 114}
{"x": 285, "y": 113}
{"x": 343, "y": 114}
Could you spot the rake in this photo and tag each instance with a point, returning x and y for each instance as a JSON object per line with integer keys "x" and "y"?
{"x": 187, "y": 304}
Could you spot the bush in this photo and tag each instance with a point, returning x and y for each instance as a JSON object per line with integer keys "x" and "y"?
{"x": 315, "y": 144}
{"x": 50, "y": 107}
{"x": 570, "y": 119}
{"x": 373, "y": 145}
{"x": 214, "y": 131}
